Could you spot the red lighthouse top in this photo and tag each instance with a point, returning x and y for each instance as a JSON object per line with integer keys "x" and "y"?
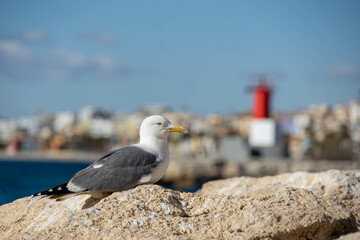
{"x": 261, "y": 102}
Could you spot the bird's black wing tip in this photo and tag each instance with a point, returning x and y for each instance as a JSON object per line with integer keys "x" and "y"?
{"x": 58, "y": 190}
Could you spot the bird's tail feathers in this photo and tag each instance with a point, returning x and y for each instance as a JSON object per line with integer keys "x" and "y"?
{"x": 58, "y": 190}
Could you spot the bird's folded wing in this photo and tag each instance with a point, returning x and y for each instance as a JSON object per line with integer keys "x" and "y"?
{"x": 116, "y": 171}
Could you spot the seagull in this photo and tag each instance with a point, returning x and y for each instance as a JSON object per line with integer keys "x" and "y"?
{"x": 124, "y": 168}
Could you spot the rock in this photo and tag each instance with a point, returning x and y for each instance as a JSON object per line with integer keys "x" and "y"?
{"x": 351, "y": 236}
{"x": 341, "y": 186}
{"x": 153, "y": 212}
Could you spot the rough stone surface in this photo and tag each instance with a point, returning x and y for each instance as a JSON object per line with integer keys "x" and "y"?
{"x": 350, "y": 236}
{"x": 341, "y": 186}
{"x": 152, "y": 212}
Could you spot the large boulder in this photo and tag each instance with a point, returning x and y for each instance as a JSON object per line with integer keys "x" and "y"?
{"x": 341, "y": 186}
{"x": 350, "y": 236}
{"x": 153, "y": 212}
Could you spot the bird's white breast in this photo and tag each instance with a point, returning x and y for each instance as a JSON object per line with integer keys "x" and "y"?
{"x": 156, "y": 173}
{"x": 161, "y": 150}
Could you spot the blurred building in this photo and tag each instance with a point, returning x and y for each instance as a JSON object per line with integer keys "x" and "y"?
{"x": 7, "y": 128}
{"x": 354, "y": 119}
{"x": 64, "y": 120}
{"x": 97, "y": 121}
{"x": 29, "y": 124}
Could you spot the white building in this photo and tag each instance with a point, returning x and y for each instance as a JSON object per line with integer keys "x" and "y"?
{"x": 30, "y": 124}
{"x": 64, "y": 119}
{"x": 98, "y": 120}
{"x": 7, "y": 128}
{"x": 101, "y": 128}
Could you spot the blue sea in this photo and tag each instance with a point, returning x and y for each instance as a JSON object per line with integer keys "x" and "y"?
{"x": 24, "y": 178}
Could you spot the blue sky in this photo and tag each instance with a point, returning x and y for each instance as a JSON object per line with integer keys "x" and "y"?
{"x": 198, "y": 55}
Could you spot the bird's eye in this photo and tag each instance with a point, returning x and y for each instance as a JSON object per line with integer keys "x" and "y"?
{"x": 159, "y": 124}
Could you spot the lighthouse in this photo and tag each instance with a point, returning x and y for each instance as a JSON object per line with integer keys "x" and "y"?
{"x": 261, "y": 103}
{"x": 263, "y": 128}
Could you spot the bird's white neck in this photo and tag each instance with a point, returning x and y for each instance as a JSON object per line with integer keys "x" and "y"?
{"x": 155, "y": 144}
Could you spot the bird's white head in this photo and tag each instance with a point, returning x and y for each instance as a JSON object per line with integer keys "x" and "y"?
{"x": 157, "y": 126}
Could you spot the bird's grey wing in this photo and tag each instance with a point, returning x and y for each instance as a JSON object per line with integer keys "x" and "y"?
{"x": 118, "y": 170}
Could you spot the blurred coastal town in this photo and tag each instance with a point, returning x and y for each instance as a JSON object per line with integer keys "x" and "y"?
{"x": 317, "y": 132}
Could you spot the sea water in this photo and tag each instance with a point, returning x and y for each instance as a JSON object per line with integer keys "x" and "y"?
{"x": 24, "y": 178}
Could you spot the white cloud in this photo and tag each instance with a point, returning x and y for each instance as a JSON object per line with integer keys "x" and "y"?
{"x": 102, "y": 38}
{"x": 20, "y": 62}
{"x": 14, "y": 51}
{"x": 30, "y": 36}
{"x": 34, "y": 37}
{"x": 345, "y": 71}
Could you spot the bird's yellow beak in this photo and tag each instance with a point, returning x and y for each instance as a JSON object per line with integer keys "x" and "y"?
{"x": 179, "y": 129}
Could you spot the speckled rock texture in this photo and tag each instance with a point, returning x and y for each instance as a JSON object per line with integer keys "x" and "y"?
{"x": 350, "y": 236}
{"x": 153, "y": 212}
{"x": 340, "y": 186}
